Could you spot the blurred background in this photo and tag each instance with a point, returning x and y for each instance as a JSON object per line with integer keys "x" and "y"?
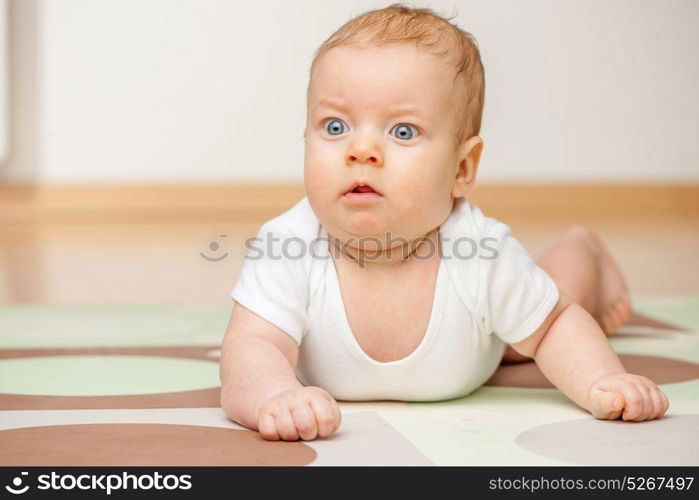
{"x": 142, "y": 141}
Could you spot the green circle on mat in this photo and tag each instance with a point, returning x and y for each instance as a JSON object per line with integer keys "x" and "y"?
{"x": 105, "y": 375}
{"x": 25, "y": 326}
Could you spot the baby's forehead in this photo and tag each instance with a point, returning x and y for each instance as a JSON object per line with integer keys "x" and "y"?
{"x": 400, "y": 73}
{"x": 385, "y": 53}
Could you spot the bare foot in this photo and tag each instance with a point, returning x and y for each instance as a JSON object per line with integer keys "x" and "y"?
{"x": 613, "y": 300}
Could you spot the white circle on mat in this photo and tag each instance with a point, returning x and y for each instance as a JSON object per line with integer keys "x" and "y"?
{"x": 671, "y": 440}
{"x": 455, "y": 415}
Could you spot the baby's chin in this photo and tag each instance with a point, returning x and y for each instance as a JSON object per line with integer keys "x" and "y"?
{"x": 373, "y": 233}
{"x": 345, "y": 229}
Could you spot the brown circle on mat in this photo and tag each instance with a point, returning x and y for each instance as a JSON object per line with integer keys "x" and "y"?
{"x": 671, "y": 440}
{"x": 188, "y": 352}
{"x": 198, "y": 398}
{"x": 145, "y": 445}
{"x": 659, "y": 370}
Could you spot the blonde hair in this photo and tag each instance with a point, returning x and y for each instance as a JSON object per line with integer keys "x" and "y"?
{"x": 398, "y": 23}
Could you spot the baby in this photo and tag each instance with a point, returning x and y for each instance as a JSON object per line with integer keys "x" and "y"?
{"x": 384, "y": 282}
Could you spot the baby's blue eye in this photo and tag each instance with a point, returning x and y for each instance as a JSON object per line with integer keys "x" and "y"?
{"x": 335, "y": 127}
{"x": 405, "y": 131}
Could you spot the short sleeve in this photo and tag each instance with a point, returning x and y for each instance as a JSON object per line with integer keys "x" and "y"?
{"x": 273, "y": 282}
{"x": 519, "y": 294}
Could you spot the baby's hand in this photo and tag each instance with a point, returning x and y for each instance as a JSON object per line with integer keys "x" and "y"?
{"x": 632, "y": 397}
{"x": 304, "y": 413}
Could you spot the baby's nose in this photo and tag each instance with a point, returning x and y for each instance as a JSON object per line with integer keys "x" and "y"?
{"x": 372, "y": 159}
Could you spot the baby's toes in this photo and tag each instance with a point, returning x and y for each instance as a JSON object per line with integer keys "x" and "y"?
{"x": 617, "y": 315}
{"x": 608, "y": 321}
{"x": 604, "y": 324}
{"x": 624, "y": 309}
{"x": 615, "y": 321}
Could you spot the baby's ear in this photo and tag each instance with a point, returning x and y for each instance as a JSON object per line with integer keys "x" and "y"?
{"x": 469, "y": 155}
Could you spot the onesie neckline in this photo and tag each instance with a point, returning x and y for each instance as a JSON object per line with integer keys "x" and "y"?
{"x": 346, "y": 330}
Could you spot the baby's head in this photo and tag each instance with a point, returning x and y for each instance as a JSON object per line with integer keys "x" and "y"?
{"x": 394, "y": 101}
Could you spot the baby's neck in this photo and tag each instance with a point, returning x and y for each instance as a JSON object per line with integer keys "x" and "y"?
{"x": 389, "y": 257}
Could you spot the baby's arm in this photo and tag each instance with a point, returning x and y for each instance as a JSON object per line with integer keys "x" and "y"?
{"x": 259, "y": 388}
{"x": 573, "y": 352}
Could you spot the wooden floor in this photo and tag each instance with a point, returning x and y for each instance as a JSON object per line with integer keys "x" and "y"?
{"x": 93, "y": 262}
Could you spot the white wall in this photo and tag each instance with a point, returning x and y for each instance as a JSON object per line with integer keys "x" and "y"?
{"x": 170, "y": 91}
{"x": 4, "y": 82}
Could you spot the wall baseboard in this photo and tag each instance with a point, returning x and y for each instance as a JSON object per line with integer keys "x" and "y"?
{"x": 258, "y": 202}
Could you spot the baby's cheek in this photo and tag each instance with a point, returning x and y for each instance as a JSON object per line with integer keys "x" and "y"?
{"x": 317, "y": 191}
{"x": 425, "y": 204}
{"x": 321, "y": 167}
{"x": 323, "y": 191}
{"x": 416, "y": 194}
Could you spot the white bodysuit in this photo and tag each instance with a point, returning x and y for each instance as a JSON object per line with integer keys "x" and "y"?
{"x": 489, "y": 292}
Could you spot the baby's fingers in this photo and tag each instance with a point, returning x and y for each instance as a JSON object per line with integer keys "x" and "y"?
{"x": 304, "y": 421}
{"x": 648, "y": 406}
{"x": 267, "y": 427}
{"x": 634, "y": 403}
{"x": 660, "y": 401}
{"x": 607, "y": 405}
{"x": 285, "y": 426}
{"x": 338, "y": 415}
{"x": 658, "y": 404}
{"x": 325, "y": 415}
{"x": 665, "y": 401}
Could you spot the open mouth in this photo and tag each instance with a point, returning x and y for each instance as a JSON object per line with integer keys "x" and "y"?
{"x": 359, "y": 189}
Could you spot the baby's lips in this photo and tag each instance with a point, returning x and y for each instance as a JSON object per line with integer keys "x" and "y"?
{"x": 362, "y": 187}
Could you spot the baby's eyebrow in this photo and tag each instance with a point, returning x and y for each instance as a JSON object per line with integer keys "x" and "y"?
{"x": 332, "y": 103}
{"x": 331, "y": 100}
{"x": 394, "y": 110}
{"x": 406, "y": 109}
